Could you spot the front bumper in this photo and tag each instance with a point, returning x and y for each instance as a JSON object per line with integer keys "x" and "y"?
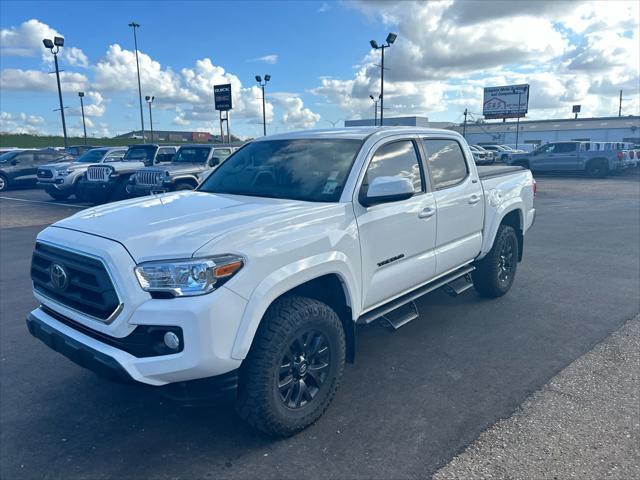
{"x": 85, "y": 356}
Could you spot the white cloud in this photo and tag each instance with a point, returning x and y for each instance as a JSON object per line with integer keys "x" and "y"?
{"x": 26, "y": 41}
{"x": 570, "y": 52}
{"x": 295, "y": 114}
{"x": 20, "y": 123}
{"x": 270, "y": 59}
{"x": 37, "y": 81}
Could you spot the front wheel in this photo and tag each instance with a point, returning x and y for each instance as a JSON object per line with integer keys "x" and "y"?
{"x": 57, "y": 195}
{"x": 293, "y": 368}
{"x": 4, "y": 183}
{"x": 494, "y": 274}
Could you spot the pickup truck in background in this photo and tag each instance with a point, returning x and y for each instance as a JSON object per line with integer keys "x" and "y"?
{"x": 570, "y": 157}
{"x": 255, "y": 283}
{"x": 107, "y": 183}
{"x": 61, "y": 179}
{"x": 181, "y": 174}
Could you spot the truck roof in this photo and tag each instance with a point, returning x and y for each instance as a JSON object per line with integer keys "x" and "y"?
{"x": 355, "y": 133}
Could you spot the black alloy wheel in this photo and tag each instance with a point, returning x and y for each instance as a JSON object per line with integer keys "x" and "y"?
{"x": 304, "y": 369}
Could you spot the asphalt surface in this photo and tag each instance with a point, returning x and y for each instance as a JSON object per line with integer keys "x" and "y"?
{"x": 413, "y": 400}
{"x": 583, "y": 424}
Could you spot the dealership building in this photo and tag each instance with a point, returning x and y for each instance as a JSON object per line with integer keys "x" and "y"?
{"x": 534, "y": 132}
{"x": 537, "y": 132}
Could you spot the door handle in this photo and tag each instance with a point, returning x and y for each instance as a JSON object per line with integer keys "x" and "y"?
{"x": 427, "y": 213}
{"x": 473, "y": 199}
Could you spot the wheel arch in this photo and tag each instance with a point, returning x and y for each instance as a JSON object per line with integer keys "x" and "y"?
{"x": 190, "y": 179}
{"x": 330, "y": 281}
{"x": 511, "y": 214}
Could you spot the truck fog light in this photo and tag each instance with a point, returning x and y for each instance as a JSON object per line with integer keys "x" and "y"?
{"x": 171, "y": 340}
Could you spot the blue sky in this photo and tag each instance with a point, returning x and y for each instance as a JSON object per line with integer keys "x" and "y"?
{"x": 318, "y": 55}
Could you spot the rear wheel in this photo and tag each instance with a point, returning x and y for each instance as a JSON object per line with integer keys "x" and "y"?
{"x": 494, "y": 274}
{"x": 597, "y": 169}
{"x": 119, "y": 191}
{"x": 294, "y": 367}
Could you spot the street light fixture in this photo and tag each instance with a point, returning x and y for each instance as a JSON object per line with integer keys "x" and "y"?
{"x": 54, "y": 47}
{"x": 84, "y": 125}
{"x": 264, "y": 115}
{"x": 150, "y": 101}
{"x": 135, "y": 25}
{"x": 391, "y": 38}
{"x": 375, "y": 108}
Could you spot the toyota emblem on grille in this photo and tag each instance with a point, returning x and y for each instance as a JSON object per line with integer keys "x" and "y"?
{"x": 59, "y": 276}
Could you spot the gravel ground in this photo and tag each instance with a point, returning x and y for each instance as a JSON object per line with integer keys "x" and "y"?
{"x": 585, "y": 423}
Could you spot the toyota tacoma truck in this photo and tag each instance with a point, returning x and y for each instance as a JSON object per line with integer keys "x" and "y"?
{"x": 60, "y": 179}
{"x": 255, "y": 283}
{"x": 107, "y": 183}
{"x": 181, "y": 174}
{"x": 570, "y": 157}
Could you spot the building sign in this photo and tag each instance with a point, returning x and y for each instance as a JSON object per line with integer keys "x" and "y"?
{"x": 222, "y": 97}
{"x": 511, "y": 101}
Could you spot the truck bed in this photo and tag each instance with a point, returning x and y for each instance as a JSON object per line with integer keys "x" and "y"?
{"x": 489, "y": 171}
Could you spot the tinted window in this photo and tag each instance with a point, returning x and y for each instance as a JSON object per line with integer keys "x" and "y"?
{"x": 192, "y": 155}
{"x": 313, "y": 170}
{"x": 397, "y": 159}
{"x": 565, "y": 147}
{"x": 548, "y": 148}
{"x": 92, "y": 156}
{"x": 136, "y": 154}
{"x": 447, "y": 163}
{"x": 222, "y": 153}
{"x": 115, "y": 156}
{"x": 25, "y": 157}
{"x": 46, "y": 157}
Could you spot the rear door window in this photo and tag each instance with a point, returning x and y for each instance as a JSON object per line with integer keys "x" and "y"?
{"x": 446, "y": 161}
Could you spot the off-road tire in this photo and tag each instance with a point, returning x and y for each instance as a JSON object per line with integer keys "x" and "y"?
{"x": 259, "y": 399}
{"x": 119, "y": 191}
{"x": 597, "y": 169}
{"x": 489, "y": 276}
{"x": 56, "y": 195}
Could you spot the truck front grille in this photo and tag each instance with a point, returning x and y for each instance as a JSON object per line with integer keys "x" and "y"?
{"x": 77, "y": 281}
{"x": 149, "y": 177}
{"x": 45, "y": 173}
{"x": 98, "y": 173}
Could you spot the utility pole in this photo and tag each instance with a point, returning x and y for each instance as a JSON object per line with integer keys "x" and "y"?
{"x": 149, "y": 100}
{"x": 135, "y": 25}
{"x": 84, "y": 125}
{"x": 620, "y": 105}
{"x": 464, "y": 125}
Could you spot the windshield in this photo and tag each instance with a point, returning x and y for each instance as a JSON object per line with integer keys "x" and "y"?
{"x": 191, "y": 155}
{"x": 313, "y": 170}
{"x": 92, "y": 156}
{"x": 7, "y": 156}
{"x": 137, "y": 154}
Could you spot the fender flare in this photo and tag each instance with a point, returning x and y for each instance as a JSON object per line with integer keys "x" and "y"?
{"x": 284, "y": 280}
{"x": 491, "y": 230}
{"x": 186, "y": 177}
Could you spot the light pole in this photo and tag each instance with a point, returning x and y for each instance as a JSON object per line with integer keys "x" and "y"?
{"x": 84, "y": 125}
{"x": 464, "y": 125}
{"x": 150, "y": 101}
{"x": 54, "y": 46}
{"x": 135, "y": 25}
{"x": 390, "y": 39}
{"x": 264, "y": 115}
{"x": 375, "y": 109}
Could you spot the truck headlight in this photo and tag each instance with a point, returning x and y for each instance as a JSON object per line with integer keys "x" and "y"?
{"x": 185, "y": 278}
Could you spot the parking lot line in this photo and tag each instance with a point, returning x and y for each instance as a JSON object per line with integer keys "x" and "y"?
{"x": 42, "y": 202}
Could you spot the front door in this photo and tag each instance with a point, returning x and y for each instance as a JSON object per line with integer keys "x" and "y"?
{"x": 460, "y": 203}
{"x": 397, "y": 239}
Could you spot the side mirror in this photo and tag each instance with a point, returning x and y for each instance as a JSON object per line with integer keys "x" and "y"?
{"x": 386, "y": 190}
{"x": 214, "y": 161}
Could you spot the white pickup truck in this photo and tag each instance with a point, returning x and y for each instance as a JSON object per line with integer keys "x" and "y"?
{"x": 255, "y": 282}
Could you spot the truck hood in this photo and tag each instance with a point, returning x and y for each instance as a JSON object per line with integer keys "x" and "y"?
{"x": 183, "y": 167}
{"x": 58, "y": 165}
{"x": 177, "y": 224}
{"x": 126, "y": 167}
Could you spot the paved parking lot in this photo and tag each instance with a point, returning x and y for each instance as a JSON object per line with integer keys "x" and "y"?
{"x": 413, "y": 399}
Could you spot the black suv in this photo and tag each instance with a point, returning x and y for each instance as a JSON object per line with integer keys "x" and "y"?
{"x": 108, "y": 182}
{"x": 181, "y": 174}
{"x": 20, "y": 167}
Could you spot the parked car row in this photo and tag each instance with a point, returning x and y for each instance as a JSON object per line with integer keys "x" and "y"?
{"x": 114, "y": 173}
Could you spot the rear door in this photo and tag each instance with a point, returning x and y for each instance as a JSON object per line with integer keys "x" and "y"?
{"x": 565, "y": 156}
{"x": 397, "y": 239}
{"x": 459, "y": 201}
